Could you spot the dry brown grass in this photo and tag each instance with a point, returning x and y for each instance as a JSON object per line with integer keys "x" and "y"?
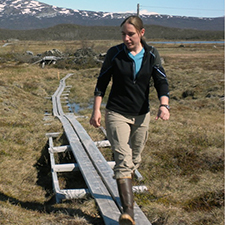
{"x": 183, "y": 161}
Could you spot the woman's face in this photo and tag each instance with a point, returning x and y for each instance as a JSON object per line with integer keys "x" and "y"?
{"x": 131, "y": 37}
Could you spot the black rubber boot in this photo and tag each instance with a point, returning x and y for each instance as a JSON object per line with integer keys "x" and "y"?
{"x": 127, "y": 201}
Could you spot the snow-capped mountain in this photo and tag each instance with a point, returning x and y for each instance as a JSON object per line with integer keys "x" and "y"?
{"x": 31, "y": 14}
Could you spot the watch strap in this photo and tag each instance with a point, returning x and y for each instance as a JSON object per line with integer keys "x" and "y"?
{"x": 164, "y": 105}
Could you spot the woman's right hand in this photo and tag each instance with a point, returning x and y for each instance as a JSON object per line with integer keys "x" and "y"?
{"x": 96, "y": 118}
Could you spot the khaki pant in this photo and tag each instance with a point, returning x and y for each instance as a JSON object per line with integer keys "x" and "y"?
{"x": 127, "y": 135}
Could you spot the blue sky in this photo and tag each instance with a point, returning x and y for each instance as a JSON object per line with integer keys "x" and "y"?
{"x": 198, "y": 8}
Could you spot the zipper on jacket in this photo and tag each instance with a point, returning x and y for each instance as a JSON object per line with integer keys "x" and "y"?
{"x": 133, "y": 65}
{"x": 134, "y": 75}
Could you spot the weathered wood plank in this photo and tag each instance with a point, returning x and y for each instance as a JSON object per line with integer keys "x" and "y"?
{"x": 92, "y": 178}
{"x": 55, "y": 134}
{"x": 66, "y": 167}
{"x": 103, "y": 168}
{"x": 57, "y": 108}
{"x": 103, "y": 143}
{"x": 63, "y": 148}
{"x": 104, "y": 131}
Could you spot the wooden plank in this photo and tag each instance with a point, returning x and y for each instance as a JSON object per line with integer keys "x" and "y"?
{"x": 52, "y": 160}
{"x": 104, "y": 131}
{"x": 92, "y": 178}
{"x": 72, "y": 193}
{"x": 138, "y": 175}
{"x": 55, "y": 134}
{"x": 66, "y": 167}
{"x": 103, "y": 168}
{"x": 57, "y": 108}
{"x": 63, "y": 148}
{"x": 139, "y": 189}
{"x": 103, "y": 143}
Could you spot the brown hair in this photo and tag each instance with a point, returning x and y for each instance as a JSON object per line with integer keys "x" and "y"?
{"x": 135, "y": 21}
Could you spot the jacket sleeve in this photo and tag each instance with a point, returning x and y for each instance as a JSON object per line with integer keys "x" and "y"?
{"x": 105, "y": 75}
{"x": 159, "y": 76}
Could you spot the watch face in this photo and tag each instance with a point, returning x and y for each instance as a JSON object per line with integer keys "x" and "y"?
{"x": 167, "y": 106}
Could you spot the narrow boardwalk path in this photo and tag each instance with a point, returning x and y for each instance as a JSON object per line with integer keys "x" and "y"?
{"x": 95, "y": 169}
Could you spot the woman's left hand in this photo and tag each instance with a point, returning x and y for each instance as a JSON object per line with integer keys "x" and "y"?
{"x": 163, "y": 113}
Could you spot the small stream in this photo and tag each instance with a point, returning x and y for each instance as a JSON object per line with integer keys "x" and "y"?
{"x": 76, "y": 108}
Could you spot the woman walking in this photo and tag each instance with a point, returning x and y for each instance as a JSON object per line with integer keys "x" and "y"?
{"x": 130, "y": 65}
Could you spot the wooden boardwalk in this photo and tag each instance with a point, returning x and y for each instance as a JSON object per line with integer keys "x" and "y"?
{"x": 95, "y": 169}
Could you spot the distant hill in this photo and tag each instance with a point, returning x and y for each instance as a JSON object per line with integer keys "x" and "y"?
{"x": 75, "y": 32}
{"x": 30, "y": 14}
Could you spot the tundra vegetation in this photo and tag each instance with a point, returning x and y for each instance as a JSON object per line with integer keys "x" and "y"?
{"x": 183, "y": 160}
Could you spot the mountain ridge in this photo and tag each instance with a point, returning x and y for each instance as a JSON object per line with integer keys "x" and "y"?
{"x": 31, "y": 14}
{"x": 78, "y": 32}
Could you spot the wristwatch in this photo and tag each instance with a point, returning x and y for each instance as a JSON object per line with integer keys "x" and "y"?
{"x": 167, "y": 106}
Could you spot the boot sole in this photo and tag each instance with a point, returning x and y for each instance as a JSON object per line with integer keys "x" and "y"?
{"x": 126, "y": 219}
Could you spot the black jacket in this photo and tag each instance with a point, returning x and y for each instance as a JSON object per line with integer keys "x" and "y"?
{"x": 129, "y": 96}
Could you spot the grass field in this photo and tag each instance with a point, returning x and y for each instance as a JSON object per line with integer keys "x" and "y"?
{"x": 183, "y": 160}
